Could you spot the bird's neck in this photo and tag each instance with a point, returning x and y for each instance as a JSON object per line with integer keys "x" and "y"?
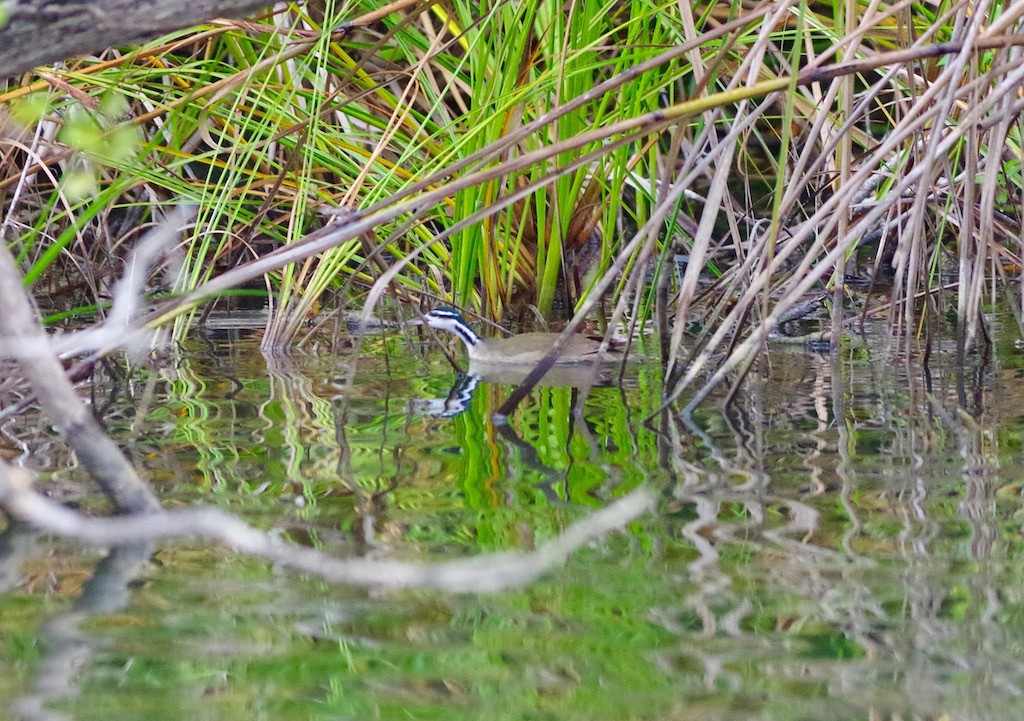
{"x": 468, "y": 336}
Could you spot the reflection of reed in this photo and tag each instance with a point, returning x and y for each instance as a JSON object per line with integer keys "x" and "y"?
{"x": 834, "y": 505}
{"x": 370, "y": 506}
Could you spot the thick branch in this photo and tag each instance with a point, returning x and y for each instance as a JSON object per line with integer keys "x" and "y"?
{"x": 39, "y": 32}
{"x": 26, "y": 342}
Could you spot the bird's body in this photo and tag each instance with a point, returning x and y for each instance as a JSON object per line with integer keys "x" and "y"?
{"x": 524, "y": 349}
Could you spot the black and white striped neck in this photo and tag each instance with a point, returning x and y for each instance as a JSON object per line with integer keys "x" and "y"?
{"x": 452, "y": 321}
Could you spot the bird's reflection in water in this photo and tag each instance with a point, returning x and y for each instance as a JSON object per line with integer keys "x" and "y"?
{"x": 577, "y": 375}
{"x": 457, "y": 401}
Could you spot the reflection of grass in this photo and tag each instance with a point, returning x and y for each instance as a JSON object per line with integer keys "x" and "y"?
{"x": 271, "y": 443}
{"x": 522, "y": 494}
{"x": 722, "y": 604}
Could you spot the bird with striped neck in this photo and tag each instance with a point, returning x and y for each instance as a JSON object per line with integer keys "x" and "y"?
{"x": 523, "y": 349}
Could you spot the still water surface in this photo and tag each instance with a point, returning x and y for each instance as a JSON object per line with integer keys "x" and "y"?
{"x": 843, "y": 543}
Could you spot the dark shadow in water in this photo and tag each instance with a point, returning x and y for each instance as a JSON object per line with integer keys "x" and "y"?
{"x": 371, "y": 506}
{"x": 528, "y": 457}
{"x": 66, "y": 649}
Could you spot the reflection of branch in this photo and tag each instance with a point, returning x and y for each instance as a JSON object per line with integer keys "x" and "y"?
{"x": 16, "y": 543}
{"x": 485, "y": 573}
{"x": 66, "y": 648}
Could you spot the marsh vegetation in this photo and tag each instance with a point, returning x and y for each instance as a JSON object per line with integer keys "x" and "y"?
{"x": 692, "y": 180}
{"x": 695, "y": 170}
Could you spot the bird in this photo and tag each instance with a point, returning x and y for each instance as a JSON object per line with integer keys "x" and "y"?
{"x": 523, "y": 349}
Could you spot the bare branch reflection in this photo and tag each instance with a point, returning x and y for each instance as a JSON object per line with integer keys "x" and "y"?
{"x": 66, "y": 648}
{"x": 480, "y": 574}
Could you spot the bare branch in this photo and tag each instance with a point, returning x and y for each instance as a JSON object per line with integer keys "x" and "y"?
{"x": 23, "y": 338}
{"x": 124, "y": 326}
{"x": 37, "y": 33}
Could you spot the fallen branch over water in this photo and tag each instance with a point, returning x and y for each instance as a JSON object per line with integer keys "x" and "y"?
{"x": 491, "y": 572}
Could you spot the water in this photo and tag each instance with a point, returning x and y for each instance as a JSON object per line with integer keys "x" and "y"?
{"x": 842, "y": 544}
